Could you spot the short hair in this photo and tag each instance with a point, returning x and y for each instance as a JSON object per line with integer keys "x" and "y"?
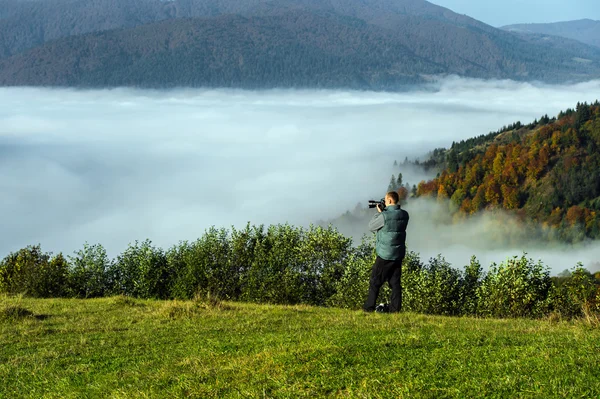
{"x": 393, "y": 196}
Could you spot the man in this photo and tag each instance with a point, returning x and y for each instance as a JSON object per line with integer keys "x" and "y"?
{"x": 390, "y": 226}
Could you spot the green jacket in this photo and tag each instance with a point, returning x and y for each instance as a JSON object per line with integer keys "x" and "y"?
{"x": 390, "y": 227}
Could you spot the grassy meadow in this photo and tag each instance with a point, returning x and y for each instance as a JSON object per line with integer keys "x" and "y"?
{"x": 127, "y": 348}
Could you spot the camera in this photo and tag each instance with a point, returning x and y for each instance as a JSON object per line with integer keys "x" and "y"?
{"x": 373, "y": 203}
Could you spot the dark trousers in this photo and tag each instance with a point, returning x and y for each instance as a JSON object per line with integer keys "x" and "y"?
{"x": 390, "y": 271}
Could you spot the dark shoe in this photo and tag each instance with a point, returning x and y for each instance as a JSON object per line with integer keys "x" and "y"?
{"x": 383, "y": 308}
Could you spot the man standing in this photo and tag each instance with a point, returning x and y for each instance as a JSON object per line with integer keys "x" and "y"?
{"x": 390, "y": 226}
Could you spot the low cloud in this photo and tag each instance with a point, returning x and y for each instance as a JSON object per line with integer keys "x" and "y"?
{"x": 113, "y": 166}
{"x": 492, "y": 237}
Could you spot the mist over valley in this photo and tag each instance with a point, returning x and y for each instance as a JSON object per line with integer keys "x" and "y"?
{"x": 185, "y": 192}
{"x": 114, "y": 166}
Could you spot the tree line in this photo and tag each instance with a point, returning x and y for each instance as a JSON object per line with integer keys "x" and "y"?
{"x": 283, "y": 264}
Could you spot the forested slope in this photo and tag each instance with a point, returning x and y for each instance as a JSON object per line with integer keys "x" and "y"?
{"x": 547, "y": 172}
{"x": 371, "y": 44}
{"x": 296, "y": 49}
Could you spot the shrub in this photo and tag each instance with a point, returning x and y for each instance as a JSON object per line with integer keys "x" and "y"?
{"x": 206, "y": 267}
{"x": 570, "y": 295}
{"x": 275, "y": 275}
{"x": 471, "y": 281}
{"x": 322, "y": 254}
{"x": 517, "y": 288}
{"x": 179, "y": 259}
{"x": 141, "y": 271}
{"x": 433, "y": 288}
{"x": 88, "y": 275}
{"x": 241, "y": 255}
{"x": 220, "y": 279}
{"x": 352, "y": 286}
{"x": 291, "y": 265}
{"x": 413, "y": 279}
{"x": 34, "y": 273}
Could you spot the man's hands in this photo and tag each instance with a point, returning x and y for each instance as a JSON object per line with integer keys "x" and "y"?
{"x": 379, "y": 208}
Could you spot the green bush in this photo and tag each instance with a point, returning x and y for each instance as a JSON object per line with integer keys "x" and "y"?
{"x": 141, "y": 271}
{"x": 244, "y": 243}
{"x": 569, "y": 295}
{"x": 88, "y": 274}
{"x": 322, "y": 254}
{"x": 180, "y": 259}
{"x": 284, "y": 264}
{"x": 352, "y": 286}
{"x": 214, "y": 265}
{"x": 412, "y": 281}
{"x": 34, "y": 273}
{"x": 432, "y": 288}
{"x": 517, "y": 288}
{"x": 54, "y": 278}
{"x": 275, "y": 274}
{"x": 444, "y": 287}
{"x": 471, "y": 281}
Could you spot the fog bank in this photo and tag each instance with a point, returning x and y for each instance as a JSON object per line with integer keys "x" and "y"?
{"x": 492, "y": 237}
{"x": 113, "y": 166}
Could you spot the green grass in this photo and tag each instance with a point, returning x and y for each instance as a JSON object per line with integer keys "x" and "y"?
{"x": 124, "y": 348}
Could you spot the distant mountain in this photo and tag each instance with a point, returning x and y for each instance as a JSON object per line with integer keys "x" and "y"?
{"x": 584, "y": 30}
{"x": 373, "y": 44}
{"x": 26, "y": 24}
{"x": 297, "y": 49}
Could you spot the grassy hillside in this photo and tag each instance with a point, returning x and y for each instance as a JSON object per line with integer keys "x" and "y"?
{"x": 120, "y": 347}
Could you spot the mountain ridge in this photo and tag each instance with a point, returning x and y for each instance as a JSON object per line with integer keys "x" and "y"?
{"x": 372, "y": 44}
{"x": 583, "y": 30}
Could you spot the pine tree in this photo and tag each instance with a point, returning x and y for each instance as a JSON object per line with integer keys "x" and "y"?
{"x": 452, "y": 161}
{"x": 583, "y": 114}
{"x": 392, "y": 185}
{"x": 399, "y": 181}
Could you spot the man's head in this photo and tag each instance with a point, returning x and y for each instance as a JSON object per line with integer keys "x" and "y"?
{"x": 391, "y": 198}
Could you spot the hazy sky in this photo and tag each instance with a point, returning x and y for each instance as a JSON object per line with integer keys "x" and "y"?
{"x": 114, "y": 166}
{"x": 505, "y": 12}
